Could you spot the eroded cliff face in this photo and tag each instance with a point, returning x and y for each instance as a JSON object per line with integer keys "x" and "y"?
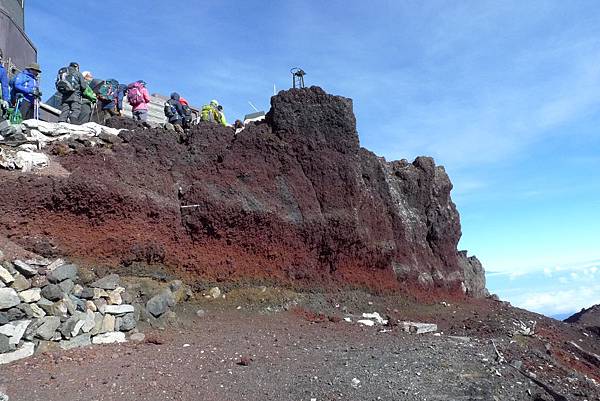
{"x": 294, "y": 200}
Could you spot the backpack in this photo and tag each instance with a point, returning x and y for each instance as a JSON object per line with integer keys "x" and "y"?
{"x": 207, "y": 114}
{"x": 107, "y": 90}
{"x": 66, "y": 81}
{"x": 187, "y": 111}
{"x": 170, "y": 110}
{"x": 134, "y": 94}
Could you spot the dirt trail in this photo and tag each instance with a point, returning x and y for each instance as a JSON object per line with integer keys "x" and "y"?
{"x": 299, "y": 356}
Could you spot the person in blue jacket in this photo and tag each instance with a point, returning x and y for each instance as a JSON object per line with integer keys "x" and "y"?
{"x": 5, "y": 95}
{"x": 27, "y": 85}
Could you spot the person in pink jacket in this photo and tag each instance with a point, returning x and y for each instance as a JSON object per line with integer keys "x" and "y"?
{"x": 138, "y": 97}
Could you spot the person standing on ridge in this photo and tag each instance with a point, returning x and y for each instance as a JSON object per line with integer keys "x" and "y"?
{"x": 174, "y": 112}
{"x": 213, "y": 112}
{"x": 187, "y": 113}
{"x": 71, "y": 85}
{"x": 88, "y": 102}
{"x": 27, "y": 90}
{"x": 138, "y": 97}
{"x": 5, "y": 94}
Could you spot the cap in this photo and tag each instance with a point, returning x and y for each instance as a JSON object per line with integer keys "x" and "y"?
{"x": 34, "y": 67}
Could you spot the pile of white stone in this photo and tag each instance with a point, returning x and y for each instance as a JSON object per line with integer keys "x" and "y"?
{"x": 42, "y": 307}
{"x": 28, "y": 138}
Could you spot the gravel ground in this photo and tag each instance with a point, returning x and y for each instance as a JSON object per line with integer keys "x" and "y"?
{"x": 286, "y": 357}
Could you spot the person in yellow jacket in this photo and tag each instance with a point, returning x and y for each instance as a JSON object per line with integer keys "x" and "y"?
{"x": 213, "y": 112}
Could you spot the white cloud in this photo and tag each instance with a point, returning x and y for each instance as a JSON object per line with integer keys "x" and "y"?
{"x": 560, "y": 301}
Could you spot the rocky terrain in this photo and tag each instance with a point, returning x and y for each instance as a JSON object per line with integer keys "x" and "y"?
{"x": 588, "y": 318}
{"x": 281, "y": 262}
{"x": 294, "y": 200}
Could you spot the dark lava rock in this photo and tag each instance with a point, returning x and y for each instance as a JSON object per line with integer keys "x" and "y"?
{"x": 52, "y": 292}
{"x": 4, "y": 344}
{"x": 61, "y": 273}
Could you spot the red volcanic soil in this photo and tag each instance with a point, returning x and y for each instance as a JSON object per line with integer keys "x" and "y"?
{"x": 294, "y": 200}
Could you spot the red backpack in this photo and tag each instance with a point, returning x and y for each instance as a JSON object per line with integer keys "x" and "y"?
{"x": 134, "y": 94}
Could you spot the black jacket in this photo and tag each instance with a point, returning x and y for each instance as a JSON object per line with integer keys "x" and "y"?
{"x": 174, "y": 101}
{"x": 80, "y": 85}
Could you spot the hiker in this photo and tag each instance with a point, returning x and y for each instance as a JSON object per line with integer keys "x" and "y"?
{"x": 187, "y": 113}
{"x": 27, "y": 90}
{"x": 106, "y": 92}
{"x": 138, "y": 97}
{"x": 5, "y": 95}
{"x": 213, "y": 112}
{"x": 121, "y": 93}
{"x": 174, "y": 112}
{"x": 89, "y": 99}
{"x": 71, "y": 85}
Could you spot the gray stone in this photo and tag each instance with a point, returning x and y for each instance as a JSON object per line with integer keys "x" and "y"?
{"x": 82, "y": 340}
{"x": 5, "y": 345}
{"x": 98, "y": 319}
{"x": 8, "y": 298}
{"x": 62, "y": 273}
{"x": 77, "y": 289}
{"x": 114, "y": 296}
{"x": 158, "y": 304}
{"x": 24, "y": 352}
{"x": 418, "y": 328}
{"x": 38, "y": 262}
{"x": 108, "y": 324}
{"x": 58, "y": 308}
{"x": 5, "y": 276}
{"x": 39, "y": 281}
{"x": 15, "y": 314}
{"x": 15, "y": 330}
{"x": 86, "y": 293}
{"x": 137, "y": 337}
{"x": 3, "y": 318}
{"x": 30, "y": 295}
{"x": 58, "y": 262}
{"x": 48, "y": 327}
{"x": 32, "y": 310}
{"x": 67, "y": 326}
{"x": 100, "y": 304}
{"x": 109, "y": 338}
{"x": 109, "y": 282}
{"x": 89, "y": 323}
{"x": 214, "y": 292}
{"x": 125, "y": 323}
{"x": 25, "y": 269}
{"x": 20, "y": 283}
{"x": 2, "y": 285}
{"x": 52, "y": 292}
{"x": 118, "y": 309}
{"x": 127, "y": 298}
{"x": 67, "y": 286}
{"x": 78, "y": 304}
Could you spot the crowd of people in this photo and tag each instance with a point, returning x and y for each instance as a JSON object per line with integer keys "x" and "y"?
{"x": 81, "y": 98}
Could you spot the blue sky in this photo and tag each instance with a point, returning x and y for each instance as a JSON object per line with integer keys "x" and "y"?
{"x": 504, "y": 94}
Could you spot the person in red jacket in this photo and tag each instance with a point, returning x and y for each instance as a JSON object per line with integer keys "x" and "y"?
{"x": 138, "y": 97}
{"x": 187, "y": 113}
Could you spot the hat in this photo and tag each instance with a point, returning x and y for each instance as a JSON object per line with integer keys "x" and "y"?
{"x": 87, "y": 74}
{"x": 34, "y": 67}
{"x": 74, "y": 64}
{"x": 214, "y": 103}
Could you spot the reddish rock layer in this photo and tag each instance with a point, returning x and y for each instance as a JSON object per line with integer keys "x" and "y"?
{"x": 292, "y": 200}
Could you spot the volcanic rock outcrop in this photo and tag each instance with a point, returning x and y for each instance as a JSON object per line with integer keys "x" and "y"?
{"x": 292, "y": 200}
